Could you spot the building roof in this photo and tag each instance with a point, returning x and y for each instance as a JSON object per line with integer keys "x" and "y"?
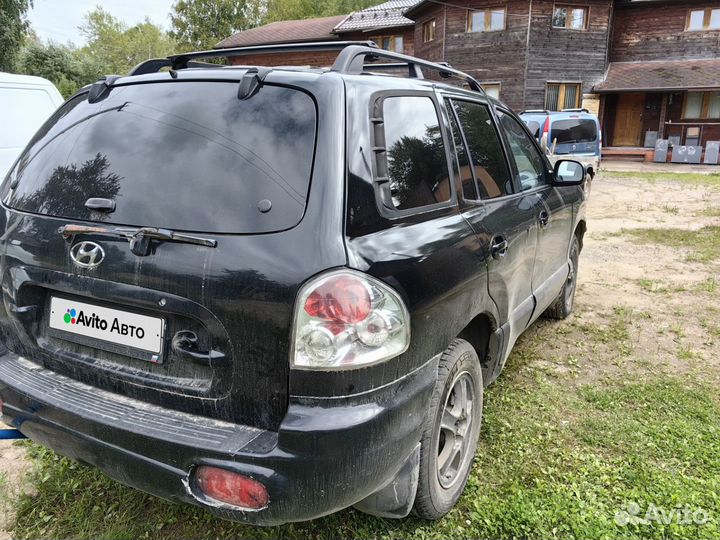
{"x": 386, "y": 15}
{"x": 303, "y": 30}
{"x": 418, "y": 6}
{"x": 664, "y": 75}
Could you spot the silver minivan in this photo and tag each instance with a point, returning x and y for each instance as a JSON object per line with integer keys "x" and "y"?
{"x": 568, "y": 133}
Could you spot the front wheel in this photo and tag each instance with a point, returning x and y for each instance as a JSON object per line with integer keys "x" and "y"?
{"x": 452, "y": 428}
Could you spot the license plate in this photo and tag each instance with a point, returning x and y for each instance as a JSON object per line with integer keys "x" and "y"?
{"x": 104, "y": 328}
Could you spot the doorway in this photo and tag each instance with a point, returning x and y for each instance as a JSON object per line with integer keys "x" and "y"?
{"x": 628, "y": 119}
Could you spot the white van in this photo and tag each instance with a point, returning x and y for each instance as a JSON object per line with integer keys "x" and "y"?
{"x": 25, "y": 103}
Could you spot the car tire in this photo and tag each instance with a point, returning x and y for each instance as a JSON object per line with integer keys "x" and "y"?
{"x": 454, "y": 417}
{"x": 563, "y": 305}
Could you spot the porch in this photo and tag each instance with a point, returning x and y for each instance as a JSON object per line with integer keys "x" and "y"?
{"x": 641, "y": 102}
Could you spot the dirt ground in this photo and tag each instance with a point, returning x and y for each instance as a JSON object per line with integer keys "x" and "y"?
{"x": 13, "y": 470}
{"x": 616, "y": 268}
{"x": 637, "y": 303}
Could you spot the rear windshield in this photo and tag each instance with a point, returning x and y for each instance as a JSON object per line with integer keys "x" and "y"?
{"x": 178, "y": 155}
{"x": 573, "y": 131}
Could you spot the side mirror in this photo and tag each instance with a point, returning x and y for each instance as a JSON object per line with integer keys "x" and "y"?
{"x": 569, "y": 173}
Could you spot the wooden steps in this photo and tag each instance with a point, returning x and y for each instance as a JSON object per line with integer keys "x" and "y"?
{"x": 627, "y": 153}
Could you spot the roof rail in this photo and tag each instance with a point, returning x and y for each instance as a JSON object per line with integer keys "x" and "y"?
{"x": 535, "y": 111}
{"x": 351, "y": 60}
{"x": 583, "y": 109}
{"x": 184, "y": 60}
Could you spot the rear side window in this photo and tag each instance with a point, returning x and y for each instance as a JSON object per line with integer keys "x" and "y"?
{"x": 573, "y": 131}
{"x": 417, "y": 166}
{"x": 178, "y": 155}
{"x": 486, "y": 154}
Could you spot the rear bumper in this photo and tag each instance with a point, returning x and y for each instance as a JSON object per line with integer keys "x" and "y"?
{"x": 328, "y": 454}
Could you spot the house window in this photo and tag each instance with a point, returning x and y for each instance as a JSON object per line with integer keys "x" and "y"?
{"x": 389, "y": 43}
{"x": 486, "y": 20}
{"x": 491, "y": 89}
{"x": 703, "y": 19}
{"x": 428, "y": 29}
{"x": 702, "y": 105}
{"x": 559, "y": 96}
{"x": 571, "y": 17}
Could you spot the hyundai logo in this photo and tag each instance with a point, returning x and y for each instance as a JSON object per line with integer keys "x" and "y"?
{"x": 87, "y": 254}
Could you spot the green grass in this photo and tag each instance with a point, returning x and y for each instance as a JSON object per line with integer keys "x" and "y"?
{"x": 613, "y": 331}
{"x": 710, "y": 211}
{"x": 709, "y": 285}
{"x": 704, "y": 243}
{"x": 712, "y": 179}
{"x": 554, "y": 461}
{"x": 652, "y": 286}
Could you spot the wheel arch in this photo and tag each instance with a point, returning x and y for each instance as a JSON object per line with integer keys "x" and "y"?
{"x": 478, "y": 332}
{"x": 580, "y": 230}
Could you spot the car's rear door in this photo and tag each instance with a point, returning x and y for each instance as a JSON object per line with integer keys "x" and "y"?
{"x": 503, "y": 219}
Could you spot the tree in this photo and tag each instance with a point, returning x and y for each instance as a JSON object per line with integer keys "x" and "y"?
{"x": 13, "y": 30}
{"x": 200, "y": 24}
{"x": 117, "y": 48}
{"x": 61, "y": 64}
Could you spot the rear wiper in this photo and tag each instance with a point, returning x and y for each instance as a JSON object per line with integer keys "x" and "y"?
{"x": 139, "y": 237}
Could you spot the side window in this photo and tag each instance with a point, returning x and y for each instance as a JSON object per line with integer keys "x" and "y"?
{"x": 530, "y": 164}
{"x": 417, "y": 166}
{"x": 466, "y": 175}
{"x": 486, "y": 155}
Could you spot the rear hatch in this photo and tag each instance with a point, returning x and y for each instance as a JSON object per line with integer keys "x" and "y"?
{"x": 575, "y": 136}
{"x": 151, "y": 244}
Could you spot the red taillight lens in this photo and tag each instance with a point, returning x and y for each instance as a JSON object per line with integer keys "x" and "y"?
{"x": 546, "y": 126}
{"x": 231, "y": 487}
{"x": 346, "y": 319}
{"x": 343, "y": 299}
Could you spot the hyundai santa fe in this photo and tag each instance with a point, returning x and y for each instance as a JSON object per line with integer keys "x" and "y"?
{"x": 278, "y": 292}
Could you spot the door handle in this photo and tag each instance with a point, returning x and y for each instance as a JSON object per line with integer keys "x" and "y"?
{"x": 498, "y": 247}
{"x": 184, "y": 344}
{"x": 543, "y": 219}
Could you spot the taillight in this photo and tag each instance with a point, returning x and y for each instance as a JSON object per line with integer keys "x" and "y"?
{"x": 345, "y": 319}
{"x": 546, "y": 126}
{"x": 231, "y": 487}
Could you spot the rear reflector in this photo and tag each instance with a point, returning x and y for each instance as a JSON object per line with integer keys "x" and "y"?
{"x": 231, "y": 488}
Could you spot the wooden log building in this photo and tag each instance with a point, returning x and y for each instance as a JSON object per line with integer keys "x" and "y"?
{"x": 648, "y": 68}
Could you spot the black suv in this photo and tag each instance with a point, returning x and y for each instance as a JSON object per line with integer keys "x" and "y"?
{"x": 278, "y": 292}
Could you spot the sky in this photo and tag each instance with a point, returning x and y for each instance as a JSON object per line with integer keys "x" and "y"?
{"x": 58, "y": 20}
